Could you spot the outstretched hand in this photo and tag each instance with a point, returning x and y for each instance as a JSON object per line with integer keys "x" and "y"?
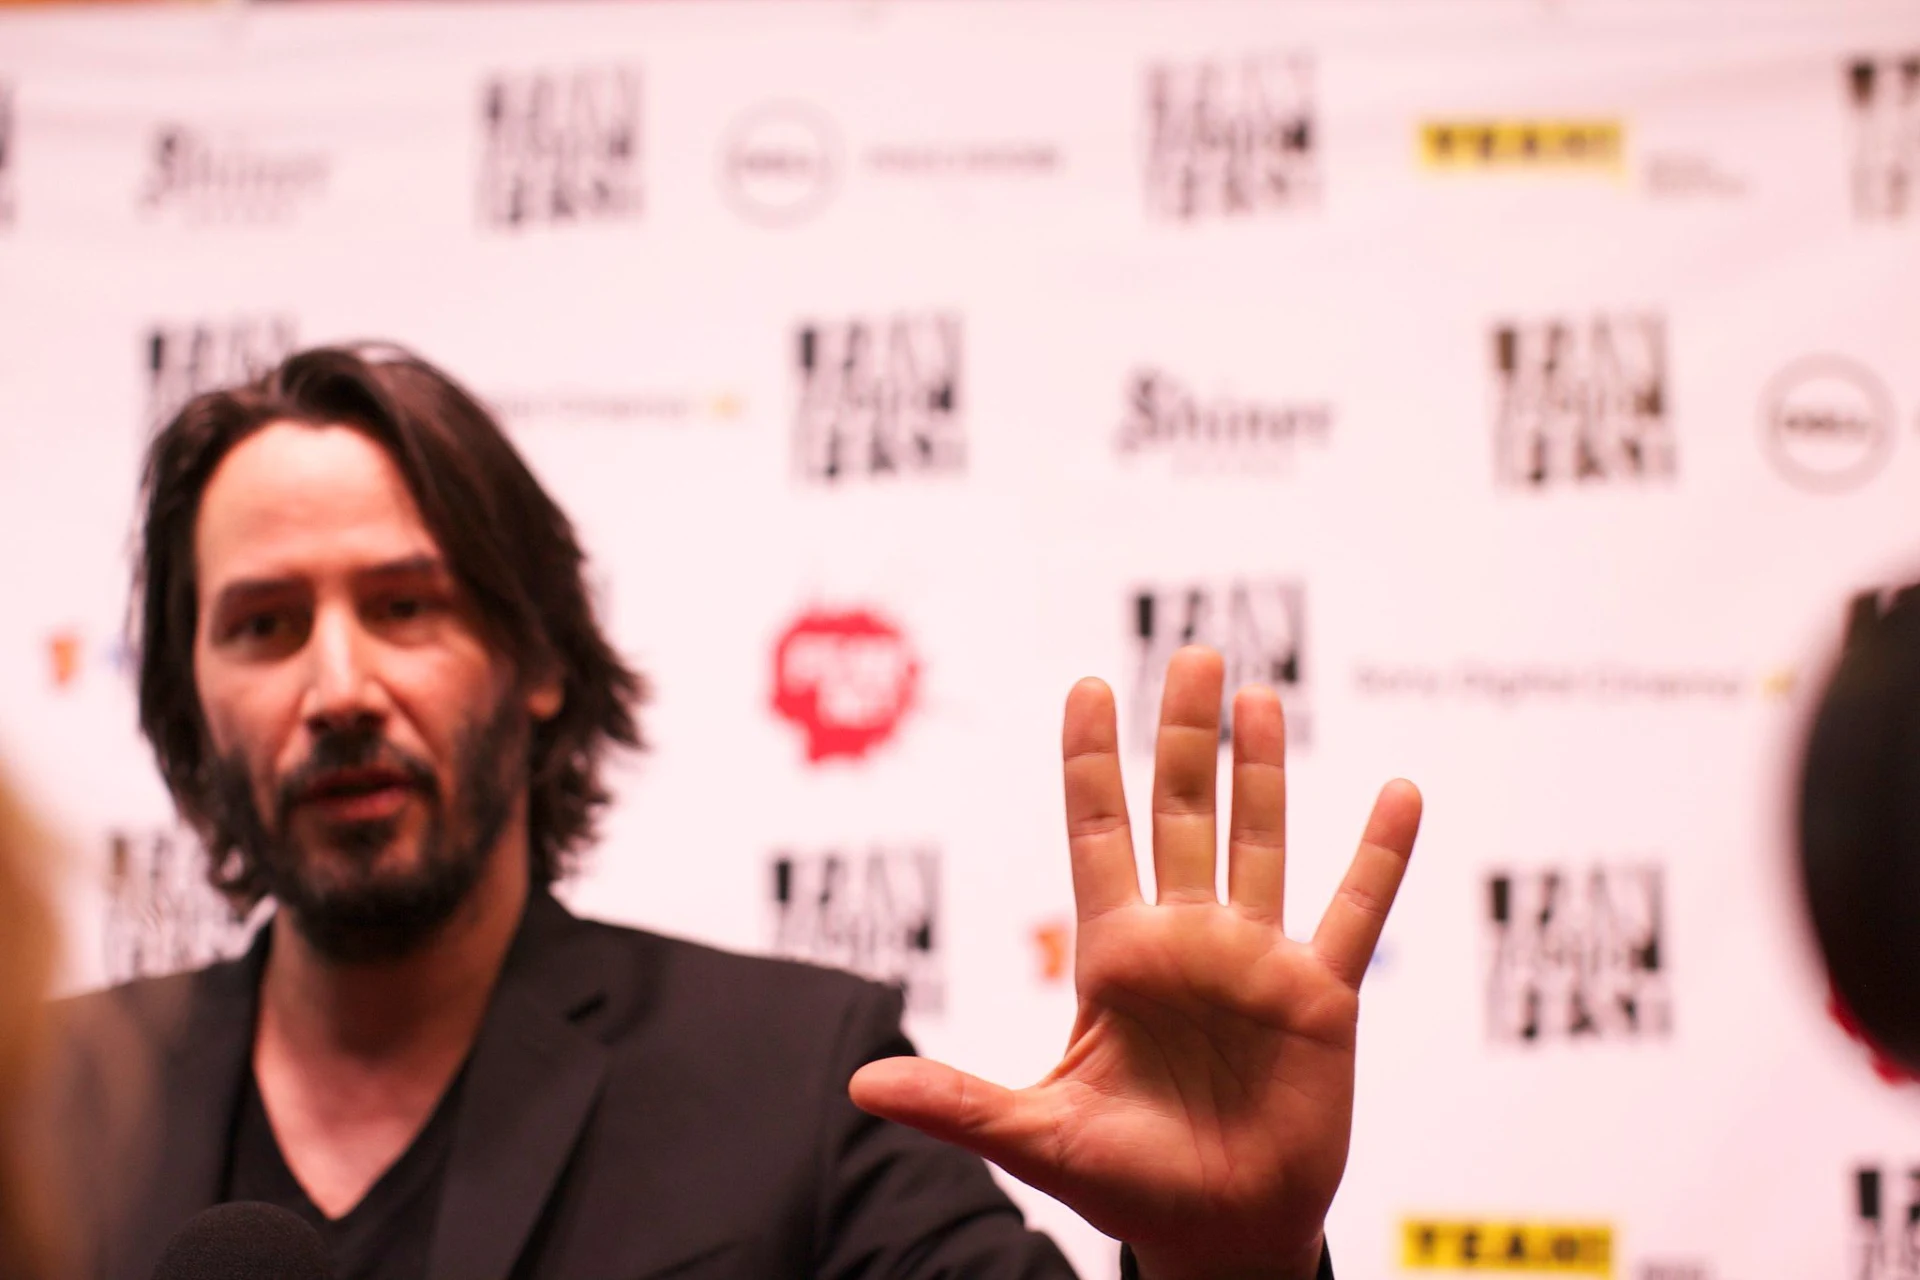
{"x": 1203, "y": 1108}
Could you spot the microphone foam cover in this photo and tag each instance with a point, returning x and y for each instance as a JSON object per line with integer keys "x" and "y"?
{"x": 245, "y": 1240}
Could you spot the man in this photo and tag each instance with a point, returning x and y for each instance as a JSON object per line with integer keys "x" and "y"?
{"x": 375, "y": 686}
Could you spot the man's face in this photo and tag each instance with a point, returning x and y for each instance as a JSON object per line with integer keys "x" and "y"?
{"x": 369, "y": 745}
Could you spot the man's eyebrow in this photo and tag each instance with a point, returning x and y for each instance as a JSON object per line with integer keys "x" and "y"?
{"x": 246, "y": 591}
{"x": 420, "y": 566}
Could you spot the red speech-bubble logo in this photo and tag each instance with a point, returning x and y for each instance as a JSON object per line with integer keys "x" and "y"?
{"x": 1053, "y": 944}
{"x": 63, "y": 657}
{"x": 846, "y": 679}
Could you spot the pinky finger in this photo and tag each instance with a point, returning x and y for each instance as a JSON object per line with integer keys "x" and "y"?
{"x": 1351, "y": 927}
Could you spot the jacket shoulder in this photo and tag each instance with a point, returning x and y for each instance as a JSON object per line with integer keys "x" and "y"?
{"x": 142, "y": 1023}
{"x": 707, "y": 993}
{"x": 153, "y": 1006}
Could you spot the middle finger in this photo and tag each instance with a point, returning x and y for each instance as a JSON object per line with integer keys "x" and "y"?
{"x": 1186, "y": 758}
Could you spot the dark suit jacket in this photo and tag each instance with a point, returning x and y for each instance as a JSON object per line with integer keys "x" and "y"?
{"x": 634, "y": 1106}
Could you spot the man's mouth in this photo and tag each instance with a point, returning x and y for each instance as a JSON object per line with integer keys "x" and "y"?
{"x": 359, "y": 795}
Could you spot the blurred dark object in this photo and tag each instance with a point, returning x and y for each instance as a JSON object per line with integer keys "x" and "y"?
{"x": 1860, "y": 827}
{"x": 244, "y": 1240}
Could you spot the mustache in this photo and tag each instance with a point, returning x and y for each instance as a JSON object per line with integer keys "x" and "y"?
{"x": 353, "y": 749}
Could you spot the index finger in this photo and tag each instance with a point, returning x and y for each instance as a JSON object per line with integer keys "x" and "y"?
{"x": 1098, "y": 834}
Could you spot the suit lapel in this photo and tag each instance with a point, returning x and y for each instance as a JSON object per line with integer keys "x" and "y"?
{"x": 530, "y": 1085}
{"x": 198, "y": 1087}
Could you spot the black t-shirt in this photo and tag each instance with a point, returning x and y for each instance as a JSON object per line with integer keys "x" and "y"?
{"x": 386, "y": 1235}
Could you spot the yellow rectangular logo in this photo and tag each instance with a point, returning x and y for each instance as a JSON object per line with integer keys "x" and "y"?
{"x": 1561, "y": 1248}
{"x": 1523, "y": 144}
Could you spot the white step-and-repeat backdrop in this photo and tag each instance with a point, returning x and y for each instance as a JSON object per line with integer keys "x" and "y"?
{"x": 1528, "y": 389}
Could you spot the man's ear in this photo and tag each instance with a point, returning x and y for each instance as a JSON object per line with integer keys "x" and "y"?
{"x": 545, "y": 694}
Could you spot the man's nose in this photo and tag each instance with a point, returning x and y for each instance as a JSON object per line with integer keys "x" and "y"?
{"x": 343, "y": 688}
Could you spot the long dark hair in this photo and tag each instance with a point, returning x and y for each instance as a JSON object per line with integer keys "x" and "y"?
{"x": 504, "y": 540}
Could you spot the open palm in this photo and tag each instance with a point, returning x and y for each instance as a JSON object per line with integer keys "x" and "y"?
{"x": 1203, "y": 1107}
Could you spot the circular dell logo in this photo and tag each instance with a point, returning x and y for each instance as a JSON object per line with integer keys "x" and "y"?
{"x": 780, "y": 163}
{"x": 1828, "y": 424}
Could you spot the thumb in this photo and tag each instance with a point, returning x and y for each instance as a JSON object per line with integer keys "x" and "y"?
{"x": 1003, "y": 1125}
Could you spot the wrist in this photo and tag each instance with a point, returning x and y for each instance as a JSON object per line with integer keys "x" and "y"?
{"x": 1182, "y": 1264}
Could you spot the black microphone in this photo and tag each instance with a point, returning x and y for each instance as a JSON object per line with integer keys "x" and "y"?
{"x": 245, "y": 1240}
{"x": 1860, "y": 826}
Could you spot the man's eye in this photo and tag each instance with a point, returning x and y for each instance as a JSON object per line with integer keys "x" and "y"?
{"x": 264, "y": 631}
{"x": 404, "y": 608}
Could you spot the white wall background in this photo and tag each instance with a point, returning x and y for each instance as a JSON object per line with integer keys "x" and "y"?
{"x": 1602, "y": 670}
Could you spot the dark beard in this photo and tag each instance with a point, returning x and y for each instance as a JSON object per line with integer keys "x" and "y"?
{"x": 369, "y": 918}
